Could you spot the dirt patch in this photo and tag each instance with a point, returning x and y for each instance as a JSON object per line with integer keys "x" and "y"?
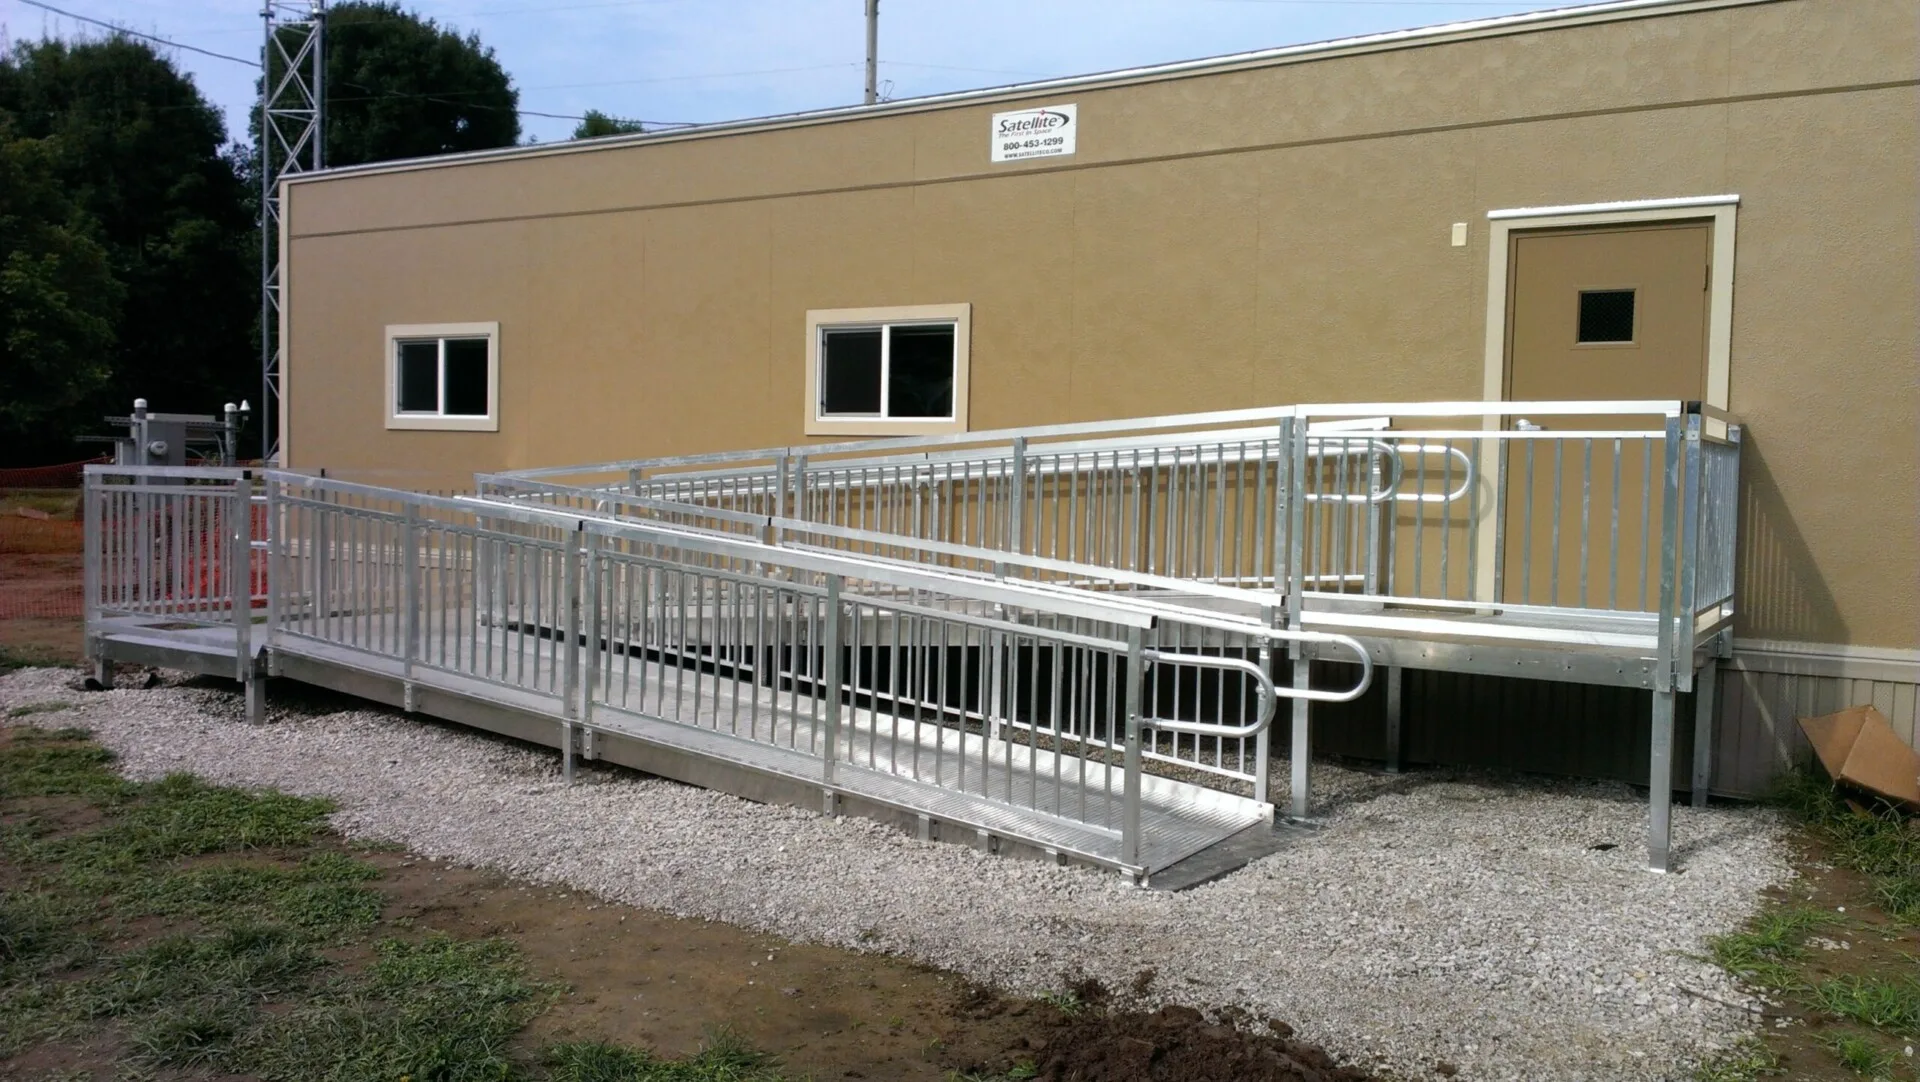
{"x": 1179, "y": 1043}
{"x": 647, "y": 979}
{"x": 1861, "y": 941}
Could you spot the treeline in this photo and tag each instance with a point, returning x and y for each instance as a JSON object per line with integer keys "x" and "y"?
{"x": 129, "y": 255}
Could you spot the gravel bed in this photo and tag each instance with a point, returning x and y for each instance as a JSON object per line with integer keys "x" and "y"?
{"x": 1474, "y": 922}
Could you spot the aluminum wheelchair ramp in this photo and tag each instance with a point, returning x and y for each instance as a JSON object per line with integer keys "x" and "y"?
{"x": 1016, "y": 716}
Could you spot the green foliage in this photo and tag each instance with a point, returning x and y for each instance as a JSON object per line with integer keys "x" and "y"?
{"x": 1748, "y": 1062}
{"x": 58, "y": 298}
{"x": 29, "y": 709}
{"x": 438, "y": 1009}
{"x": 596, "y": 124}
{"x": 723, "y": 1057}
{"x": 401, "y": 86}
{"x": 1764, "y": 952}
{"x": 1884, "y": 1004}
{"x": 1880, "y": 841}
{"x": 1860, "y": 1055}
{"x": 42, "y": 763}
{"x": 240, "y": 979}
{"x": 136, "y": 152}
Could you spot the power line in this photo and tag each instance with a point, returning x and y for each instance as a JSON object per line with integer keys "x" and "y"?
{"x": 137, "y": 34}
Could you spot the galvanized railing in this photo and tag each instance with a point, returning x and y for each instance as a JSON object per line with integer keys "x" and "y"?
{"x": 1024, "y": 694}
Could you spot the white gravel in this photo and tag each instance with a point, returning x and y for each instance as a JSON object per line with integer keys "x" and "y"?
{"x": 1437, "y": 918}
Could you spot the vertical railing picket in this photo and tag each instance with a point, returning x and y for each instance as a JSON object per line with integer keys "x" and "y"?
{"x": 1130, "y": 783}
{"x": 828, "y": 680}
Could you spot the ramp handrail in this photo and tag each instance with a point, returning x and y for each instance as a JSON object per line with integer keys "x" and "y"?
{"x": 1269, "y": 695}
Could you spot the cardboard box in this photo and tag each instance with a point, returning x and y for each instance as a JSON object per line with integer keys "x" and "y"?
{"x": 1859, "y": 747}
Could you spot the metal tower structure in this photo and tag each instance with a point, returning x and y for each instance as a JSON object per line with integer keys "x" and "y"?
{"x": 292, "y": 116}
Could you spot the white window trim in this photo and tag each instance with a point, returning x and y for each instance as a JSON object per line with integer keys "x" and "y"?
{"x": 397, "y": 420}
{"x": 960, "y": 315}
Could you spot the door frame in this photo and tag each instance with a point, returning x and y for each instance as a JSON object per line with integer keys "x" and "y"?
{"x": 1716, "y": 210}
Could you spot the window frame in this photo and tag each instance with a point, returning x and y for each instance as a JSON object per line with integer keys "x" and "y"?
{"x": 1633, "y": 332}
{"x": 443, "y": 422}
{"x": 821, "y": 320}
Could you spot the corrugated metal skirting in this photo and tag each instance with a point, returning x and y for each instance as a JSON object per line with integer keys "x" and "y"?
{"x": 1458, "y": 719}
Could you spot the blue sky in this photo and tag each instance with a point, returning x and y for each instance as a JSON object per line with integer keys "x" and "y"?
{"x": 704, "y": 60}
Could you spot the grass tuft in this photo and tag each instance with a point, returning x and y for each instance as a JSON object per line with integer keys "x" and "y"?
{"x": 28, "y": 710}
{"x": 722, "y": 1058}
{"x": 1747, "y": 1062}
{"x": 1764, "y": 952}
{"x": 1860, "y": 1055}
{"x": 1879, "y": 840}
{"x": 1893, "y": 1006}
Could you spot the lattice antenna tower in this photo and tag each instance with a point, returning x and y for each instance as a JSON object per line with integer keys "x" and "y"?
{"x": 292, "y": 121}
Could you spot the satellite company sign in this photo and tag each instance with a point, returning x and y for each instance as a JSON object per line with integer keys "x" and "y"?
{"x": 1045, "y": 132}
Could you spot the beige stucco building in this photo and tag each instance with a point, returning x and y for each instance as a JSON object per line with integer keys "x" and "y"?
{"x": 1366, "y": 220}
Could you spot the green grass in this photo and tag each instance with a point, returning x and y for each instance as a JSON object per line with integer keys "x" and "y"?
{"x": 243, "y": 975}
{"x": 1766, "y": 951}
{"x": 1890, "y": 1005}
{"x": 722, "y": 1058}
{"x": 31, "y": 657}
{"x": 1860, "y": 1055}
{"x": 1876, "y": 840}
{"x": 1748, "y": 1062}
{"x": 29, "y": 709}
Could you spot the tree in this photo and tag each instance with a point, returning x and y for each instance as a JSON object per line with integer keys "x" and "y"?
{"x": 596, "y": 124}
{"x": 58, "y": 303}
{"x": 133, "y": 146}
{"x": 401, "y": 86}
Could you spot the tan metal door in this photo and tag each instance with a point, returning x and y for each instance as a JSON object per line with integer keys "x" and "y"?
{"x": 1615, "y": 313}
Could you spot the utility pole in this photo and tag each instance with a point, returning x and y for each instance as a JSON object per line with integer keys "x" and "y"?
{"x": 873, "y": 51}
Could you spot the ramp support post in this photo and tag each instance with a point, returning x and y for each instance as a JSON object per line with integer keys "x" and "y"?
{"x": 256, "y": 697}
{"x": 1706, "y": 685}
{"x": 1394, "y": 737}
{"x": 1660, "y": 782}
{"x": 1302, "y": 741}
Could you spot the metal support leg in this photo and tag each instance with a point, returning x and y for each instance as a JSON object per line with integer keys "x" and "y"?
{"x": 103, "y": 673}
{"x": 1302, "y": 743}
{"x": 1706, "y": 683}
{"x": 566, "y": 751}
{"x": 1394, "y": 740}
{"x": 1660, "y": 783}
{"x": 256, "y": 698}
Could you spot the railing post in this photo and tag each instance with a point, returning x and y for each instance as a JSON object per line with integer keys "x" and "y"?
{"x": 276, "y": 559}
{"x": 591, "y": 646}
{"x": 1130, "y": 784}
{"x": 1665, "y": 673}
{"x": 830, "y": 677}
{"x": 240, "y": 574}
{"x": 570, "y": 654}
{"x": 1016, "y": 519}
{"x": 91, "y": 532}
{"x": 1693, "y": 492}
{"x": 410, "y": 588}
{"x": 1300, "y": 796}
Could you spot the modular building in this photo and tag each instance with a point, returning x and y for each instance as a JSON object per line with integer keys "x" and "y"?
{"x": 1704, "y": 200}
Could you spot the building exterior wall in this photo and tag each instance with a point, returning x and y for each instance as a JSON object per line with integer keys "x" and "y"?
{"x": 1265, "y": 234}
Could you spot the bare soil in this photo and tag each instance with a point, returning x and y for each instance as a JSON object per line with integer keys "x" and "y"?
{"x": 1863, "y": 941}
{"x": 40, "y": 607}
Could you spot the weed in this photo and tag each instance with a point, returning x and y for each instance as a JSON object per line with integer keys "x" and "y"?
{"x": 1747, "y": 1062}
{"x": 724, "y": 1058}
{"x": 1025, "y": 1069}
{"x": 1067, "y": 1002}
{"x": 1860, "y": 1055}
{"x": 34, "y": 927}
{"x": 1761, "y": 953}
{"x": 29, "y": 709}
{"x": 1878, "y": 841}
{"x": 38, "y": 762}
{"x": 1888, "y": 1005}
